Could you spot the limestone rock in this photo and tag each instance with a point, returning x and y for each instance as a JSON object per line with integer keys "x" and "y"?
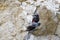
{"x": 58, "y": 30}
{"x": 21, "y": 0}
{"x": 48, "y": 25}
{"x": 15, "y": 17}
{"x": 58, "y": 27}
{"x": 58, "y": 16}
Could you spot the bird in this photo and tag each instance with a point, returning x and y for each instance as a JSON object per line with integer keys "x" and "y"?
{"x": 32, "y": 27}
{"x": 35, "y": 23}
{"x": 35, "y": 18}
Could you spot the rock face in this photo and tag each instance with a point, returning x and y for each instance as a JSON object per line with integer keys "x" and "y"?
{"x": 58, "y": 27}
{"x": 11, "y": 23}
{"x": 48, "y": 25}
{"x": 16, "y": 15}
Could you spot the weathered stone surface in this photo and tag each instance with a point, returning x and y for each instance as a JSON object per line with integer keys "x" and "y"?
{"x": 48, "y": 25}
{"x": 58, "y": 27}
{"x": 15, "y": 17}
{"x": 58, "y": 30}
{"x": 58, "y": 16}
{"x": 21, "y": 0}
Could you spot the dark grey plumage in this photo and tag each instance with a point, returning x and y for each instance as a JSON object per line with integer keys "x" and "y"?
{"x": 35, "y": 18}
{"x": 35, "y": 22}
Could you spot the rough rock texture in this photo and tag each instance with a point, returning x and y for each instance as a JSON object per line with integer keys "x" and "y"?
{"x": 16, "y": 15}
{"x": 48, "y": 25}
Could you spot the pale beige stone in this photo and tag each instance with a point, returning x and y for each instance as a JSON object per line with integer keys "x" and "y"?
{"x": 13, "y": 20}
{"x": 48, "y": 25}
{"x": 58, "y": 30}
{"x": 58, "y": 16}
